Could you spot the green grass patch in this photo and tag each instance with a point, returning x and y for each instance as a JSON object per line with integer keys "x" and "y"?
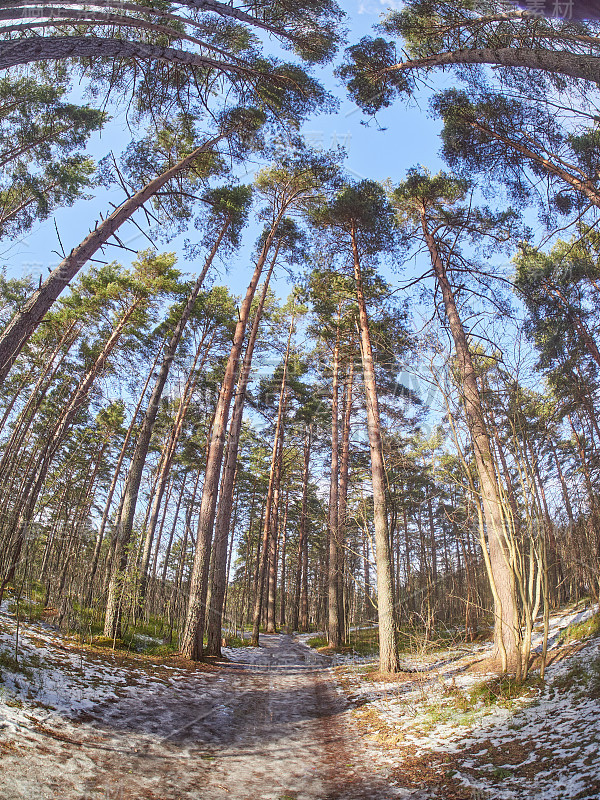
{"x": 235, "y": 641}
{"x": 503, "y": 691}
{"x": 411, "y": 639}
{"x": 581, "y": 630}
{"x": 460, "y": 708}
{"x": 22, "y": 664}
{"x": 131, "y": 643}
{"x": 30, "y": 611}
{"x": 317, "y": 641}
{"x": 500, "y": 773}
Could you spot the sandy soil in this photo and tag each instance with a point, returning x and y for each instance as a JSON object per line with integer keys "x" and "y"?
{"x": 271, "y": 726}
{"x": 440, "y": 735}
{"x": 283, "y": 722}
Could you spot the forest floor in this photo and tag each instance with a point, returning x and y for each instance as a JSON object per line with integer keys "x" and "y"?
{"x": 283, "y": 722}
{"x": 454, "y": 731}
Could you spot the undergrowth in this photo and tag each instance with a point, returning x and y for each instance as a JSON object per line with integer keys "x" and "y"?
{"x": 22, "y": 664}
{"x": 235, "y": 641}
{"x": 461, "y": 707}
{"x": 412, "y": 639}
{"x": 131, "y": 641}
{"x": 582, "y": 678}
{"x": 581, "y": 630}
{"x": 31, "y": 611}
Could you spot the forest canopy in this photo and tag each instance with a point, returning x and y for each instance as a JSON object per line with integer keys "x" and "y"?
{"x": 311, "y": 398}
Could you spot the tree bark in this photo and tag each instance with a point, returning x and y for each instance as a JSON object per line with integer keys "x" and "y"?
{"x": 29, "y": 316}
{"x": 138, "y": 460}
{"x": 505, "y": 613}
{"x": 165, "y": 471}
{"x": 223, "y": 520}
{"x": 192, "y": 639}
{"x": 343, "y": 495}
{"x": 29, "y": 50}
{"x": 388, "y": 644}
{"x": 271, "y": 579}
{"x": 282, "y": 602}
{"x": 262, "y": 567}
{"x": 113, "y": 485}
{"x": 300, "y": 621}
{"x": 334, "y": 636}
{"x": 575, "y": 65}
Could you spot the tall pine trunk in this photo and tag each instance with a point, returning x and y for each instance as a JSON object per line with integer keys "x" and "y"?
{"x": 343, "y": 494}
{"x": 112, "y": 621}
{"x": 300, "y": 607}
{"x": 388, "y": 644}
{"x": 262, "y": 566}
{"x": 334, "y": 636}
{"x": 113, "y": 486}
{"x": 505, "y": 613}
{"x": 223, "y": 520}
{"x": 193, "y": 633}
{"x": 165, "y": 471}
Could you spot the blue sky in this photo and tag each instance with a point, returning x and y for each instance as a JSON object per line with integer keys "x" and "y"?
{"x": 401, "y": 137}
{"x": 409, "y": 137}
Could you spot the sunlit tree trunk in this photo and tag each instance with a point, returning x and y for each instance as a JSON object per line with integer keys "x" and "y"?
{"x": 334, "y": 636}
{"x": 223, "y": 520}
{"x": 388, "y": 645}
{"x": 506, "y": 617}
{"x": 112, "y": 619}
{"x": 282, "y": 604}
{"x": 300, "y": 607}
{"x": 192, "y": 638}
{"x": 343, "y": 492}
{"x": 269, "y": 506}
{"x": 203, "y": 348}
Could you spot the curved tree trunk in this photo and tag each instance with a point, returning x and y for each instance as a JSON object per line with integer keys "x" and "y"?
{"x": 38, "y": 48}
{"x": 506, "y": 619}
{"x": 29, "y": 316}
{"x": 55, "y": 48}
{"x": 575, "y": 65}
{"x": 388, "y": 644}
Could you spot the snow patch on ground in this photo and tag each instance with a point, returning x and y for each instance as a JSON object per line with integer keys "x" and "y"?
{"x": 544, "y": 744}
{"x": 77, "y": 724}
{"x": 338, "y": 659}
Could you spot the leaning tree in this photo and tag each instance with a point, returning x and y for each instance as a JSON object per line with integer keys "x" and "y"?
{"x": 204, "y": 63}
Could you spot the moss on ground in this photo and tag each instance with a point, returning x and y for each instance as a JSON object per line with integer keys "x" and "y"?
{"x": 581, "y": 630}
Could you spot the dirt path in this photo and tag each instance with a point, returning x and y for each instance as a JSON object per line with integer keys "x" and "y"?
{"x": 271, "y": 727}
